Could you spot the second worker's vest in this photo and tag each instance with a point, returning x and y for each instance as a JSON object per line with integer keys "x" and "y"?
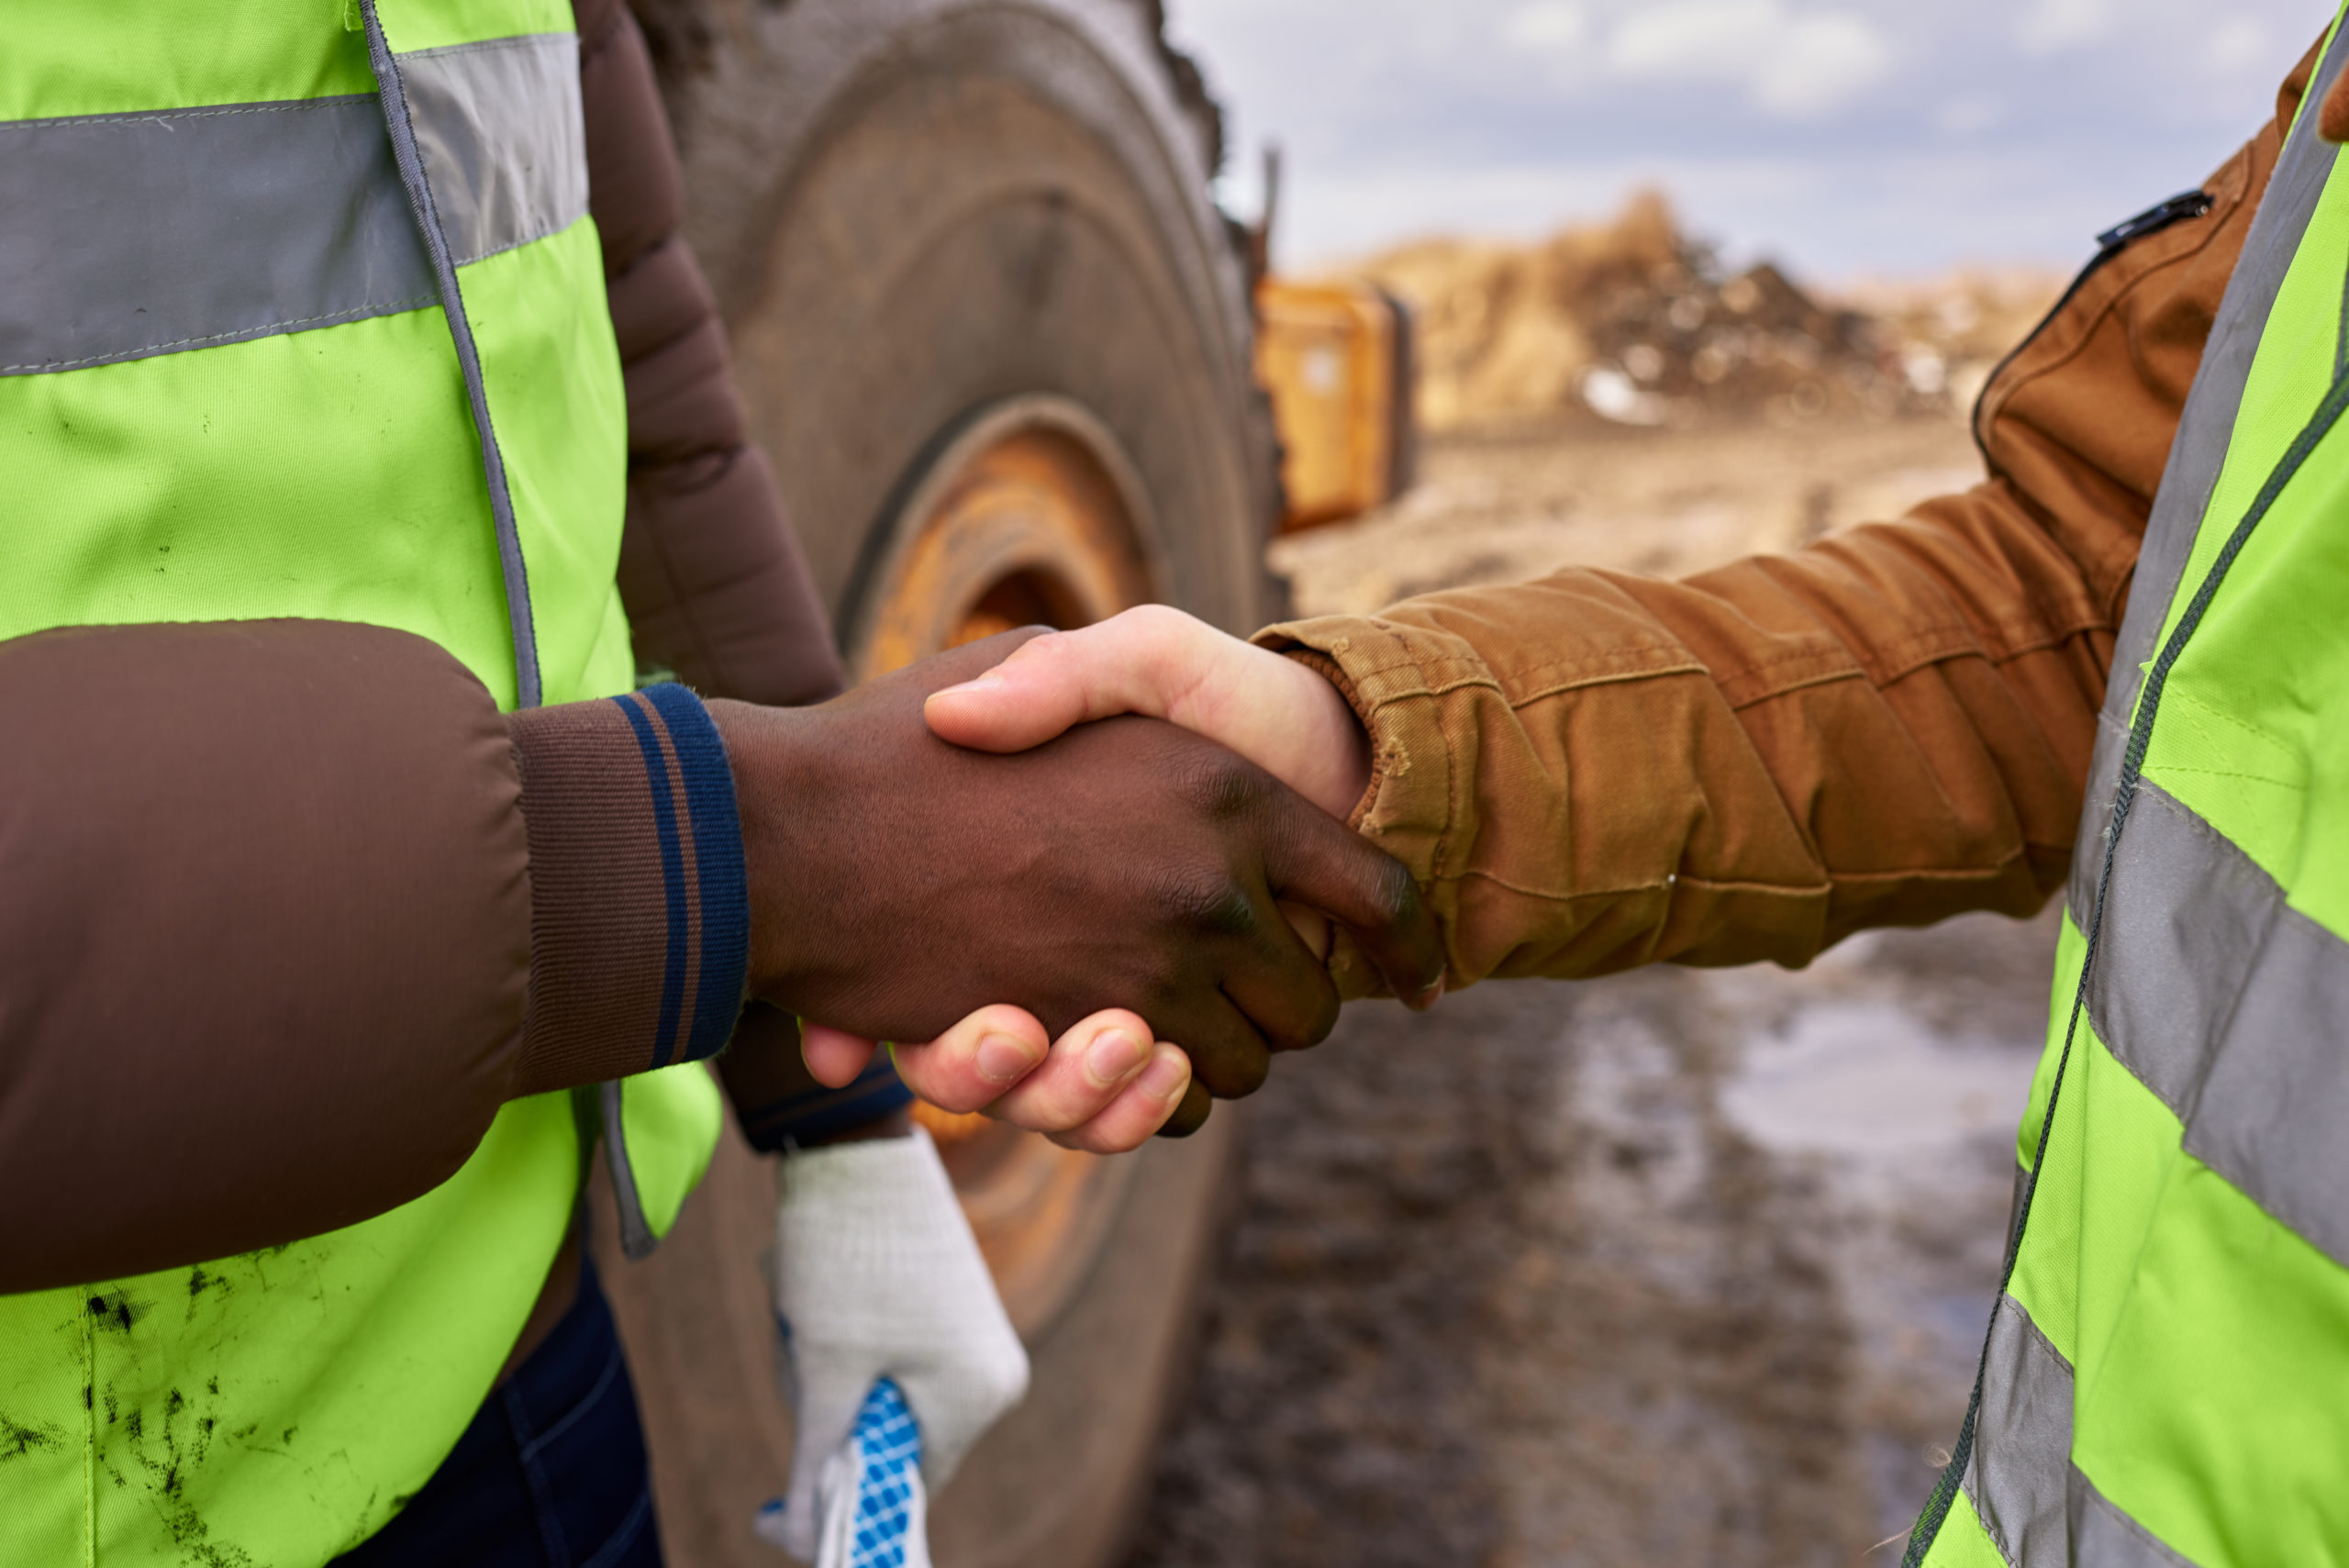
{"x": 2166, "y": 1376}
{"x": 301, "y": 313}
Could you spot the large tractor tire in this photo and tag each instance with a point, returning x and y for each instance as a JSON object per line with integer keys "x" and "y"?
{"x": 995, "y": 338}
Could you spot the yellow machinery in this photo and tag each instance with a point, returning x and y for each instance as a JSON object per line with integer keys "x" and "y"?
{"x": 1336, "y": 359}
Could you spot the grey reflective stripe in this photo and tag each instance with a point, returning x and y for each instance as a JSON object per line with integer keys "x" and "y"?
{"x": 2205, "y": 430}
{"x": 2104, "y": 1537}
{"x": 131, "y": 235}
{"x": 2233, "y": 1007}
{"x": 2023, "y": 1447}
{"x": 502, "y": 134}
{"x": 2182, "y": 921}
{"x": 399, "y": 121}
{"x": 637, "y": 1237}
{"x": 126, "y": 236}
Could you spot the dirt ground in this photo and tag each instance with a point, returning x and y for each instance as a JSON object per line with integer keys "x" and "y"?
{"x": 1679, "y": 1267}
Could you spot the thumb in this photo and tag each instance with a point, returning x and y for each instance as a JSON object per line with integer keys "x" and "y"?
{"x": 1159, "y": 662}
{"x": 1144, "y": 660}
{"x": 834, "y": 1057}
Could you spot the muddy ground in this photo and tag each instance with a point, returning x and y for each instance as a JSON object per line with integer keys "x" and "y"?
{"x": 1674, "y": 1268}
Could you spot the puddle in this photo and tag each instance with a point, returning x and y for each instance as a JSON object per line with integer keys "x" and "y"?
{"x": 1868, "y": 1078}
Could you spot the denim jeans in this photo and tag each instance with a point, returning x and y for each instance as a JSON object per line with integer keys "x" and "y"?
{"x": 551, "y": 1473}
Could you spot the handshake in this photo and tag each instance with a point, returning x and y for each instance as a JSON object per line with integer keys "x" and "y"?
{"x": 1100, "y": 872}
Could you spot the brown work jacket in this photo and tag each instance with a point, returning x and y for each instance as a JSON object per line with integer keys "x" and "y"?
{"x": 1597, "y": 770}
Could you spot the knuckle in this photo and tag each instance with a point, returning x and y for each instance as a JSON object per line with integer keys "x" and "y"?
{"x": 1061, "y": 1112}
{"x": 1089, "y": 1141}
{"x": 1221, "y": 785}
{"x": 1205, "y": 899}
{"x": 1151, "y": 622}
{"x": 1232, "y": 915}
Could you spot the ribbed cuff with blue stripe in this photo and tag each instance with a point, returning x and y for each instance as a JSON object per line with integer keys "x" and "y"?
{"x": 640, "y": 906}
{"x": 775, "y": 1117}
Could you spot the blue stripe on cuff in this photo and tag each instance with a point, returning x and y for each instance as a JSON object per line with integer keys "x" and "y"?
{"x": 672, "y": 874}
{"x": 819, "y": 1112}
{"x": 718, "y": 857}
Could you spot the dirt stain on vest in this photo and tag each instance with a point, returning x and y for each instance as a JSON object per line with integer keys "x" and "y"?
{"x": 115, "y": 1311}
{"x": 17, "y": 1440}
{"x": 170, "y": 1451}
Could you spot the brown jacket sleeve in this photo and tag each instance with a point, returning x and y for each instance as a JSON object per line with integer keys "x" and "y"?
{"x": 1598, "y": 770}
{"x": 288, "y": 910}
{"x": 716, "y": 586}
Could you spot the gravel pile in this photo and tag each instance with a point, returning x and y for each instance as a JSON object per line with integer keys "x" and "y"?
{"x": 1636, "y": 322}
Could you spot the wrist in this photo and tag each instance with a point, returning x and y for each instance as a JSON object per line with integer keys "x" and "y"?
{"x": 781, "y": 1105}
{"x": 1342, "y": 745}
{"x": 778, "y": 789}
{"x": 898, "y": 1123}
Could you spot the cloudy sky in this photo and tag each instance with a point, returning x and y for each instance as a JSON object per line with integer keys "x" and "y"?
{"x": 1848, "y": 135}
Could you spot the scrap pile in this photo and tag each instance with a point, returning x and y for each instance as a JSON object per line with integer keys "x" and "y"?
{"x": 1636, "y": 322}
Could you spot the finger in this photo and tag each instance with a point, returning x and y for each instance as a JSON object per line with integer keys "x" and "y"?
{"x": 1227, "y": 1053}
{"x": 975, "y": 1062}
{"x": 1140, "y": 1109}
{"x": 1282, "y": 985}
{"x": 1090, "y": 1066}
{"x": 1191, "y": 1115}
{"x": 1312, "y": 929}
{"x": 1313, "y": 859}
{"x": 1024, "y": 701}
{"x": 959, "y": 665}
{"x": 834, "y": 1057}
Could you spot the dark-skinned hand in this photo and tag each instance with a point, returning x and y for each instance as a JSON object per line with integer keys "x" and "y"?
{"x": 898, "y": 883}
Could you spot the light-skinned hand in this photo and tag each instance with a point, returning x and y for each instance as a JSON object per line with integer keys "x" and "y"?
{"x": 1105, "y": 1086}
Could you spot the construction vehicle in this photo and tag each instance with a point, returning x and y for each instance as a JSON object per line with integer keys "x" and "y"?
{"x": 1001, "y": 346}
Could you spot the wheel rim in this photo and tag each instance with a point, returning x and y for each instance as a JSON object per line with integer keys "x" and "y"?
{"x": 1028, "y": 513}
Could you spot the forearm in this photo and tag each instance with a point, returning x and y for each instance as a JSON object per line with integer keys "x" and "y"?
{"x": 1595, "y": 771}
{"x": 290, "y": 910}
{"x": 1892, "y": 726}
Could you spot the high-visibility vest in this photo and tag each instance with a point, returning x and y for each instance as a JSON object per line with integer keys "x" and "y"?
{"x": 2167, "y": 1375}
{"x": 301, "y": 313}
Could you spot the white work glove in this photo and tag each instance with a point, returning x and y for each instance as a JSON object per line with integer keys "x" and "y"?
{"x": 876, "y": 1275}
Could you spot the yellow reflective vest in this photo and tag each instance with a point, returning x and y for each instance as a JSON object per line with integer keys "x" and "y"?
{"x": 2166, "y": 1376}
{"x": 302, "y": 314}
